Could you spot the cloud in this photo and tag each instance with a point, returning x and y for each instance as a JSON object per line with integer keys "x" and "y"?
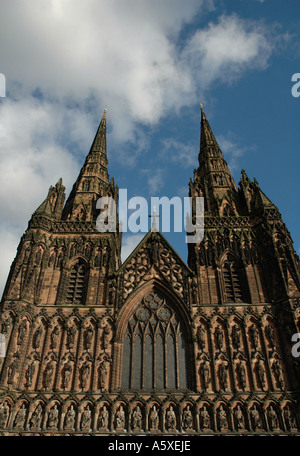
{"x": 232, "y": 150}
{"x": 129, "y": 243}
{"x": 177, "y": 152}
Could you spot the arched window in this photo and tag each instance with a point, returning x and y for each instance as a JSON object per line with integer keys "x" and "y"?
{"x": 154, "y": 348}
{"x": 77, "y": 284}
{"x": 233, "y": 287}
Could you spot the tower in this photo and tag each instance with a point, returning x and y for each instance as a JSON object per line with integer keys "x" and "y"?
{"x": 153, "y": 346}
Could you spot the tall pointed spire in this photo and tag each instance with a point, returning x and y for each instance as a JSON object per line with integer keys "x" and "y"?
{"x": 93, "y": 178}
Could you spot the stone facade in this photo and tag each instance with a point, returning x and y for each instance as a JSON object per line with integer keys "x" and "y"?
{"x": 152, "y": 346}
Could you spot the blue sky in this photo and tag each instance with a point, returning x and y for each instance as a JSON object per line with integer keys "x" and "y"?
{"x": 150, "y": 63}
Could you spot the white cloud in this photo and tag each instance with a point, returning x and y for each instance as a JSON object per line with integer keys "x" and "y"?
{"x": 129, "y": 243}
{"x": 177, "y": 152}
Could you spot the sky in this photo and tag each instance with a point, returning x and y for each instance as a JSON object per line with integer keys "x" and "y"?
{"x": 150, "y": 63}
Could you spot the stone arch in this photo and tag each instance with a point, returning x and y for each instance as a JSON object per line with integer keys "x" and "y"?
{"x": 169, "y": 331}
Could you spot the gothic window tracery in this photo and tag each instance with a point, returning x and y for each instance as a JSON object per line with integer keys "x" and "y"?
{"x": 155, "y": 348}
{"x": 233, "y": 289}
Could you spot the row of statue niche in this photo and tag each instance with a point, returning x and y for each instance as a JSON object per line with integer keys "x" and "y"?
{"x": 205, "y": 416}
{"x": 235, "y": 336}
{"x": 101, "y": 257}
{"x": 259, "y": 369}
{"x": 70, "y": 340}
{"x": 207, "y": 255}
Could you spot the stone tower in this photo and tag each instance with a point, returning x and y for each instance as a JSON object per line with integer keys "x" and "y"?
{"x": 153, "y": 346}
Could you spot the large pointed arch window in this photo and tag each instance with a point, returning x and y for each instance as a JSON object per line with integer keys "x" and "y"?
{"x": 77, "y": 284}
{"x": 155, "y": 351}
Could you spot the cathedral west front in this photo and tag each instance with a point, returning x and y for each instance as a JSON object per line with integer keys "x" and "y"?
{"x": 153, "y": 345}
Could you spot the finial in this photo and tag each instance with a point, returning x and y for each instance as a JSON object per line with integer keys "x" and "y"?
{"x": 154, "y": 225}
{"x": 201, "y": 105}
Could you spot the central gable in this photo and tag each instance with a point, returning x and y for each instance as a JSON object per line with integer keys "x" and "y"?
{"x": 154, "y": 258}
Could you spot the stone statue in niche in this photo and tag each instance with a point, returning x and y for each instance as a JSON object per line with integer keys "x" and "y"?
{"x": 204, "y": 418}
{"x": 273, "y": 418}
{"x": 171, "y": 419}
{"x": 222, "y": 371}
{"x": 270, "y": 333}
{"x": 4, "y": 413}
{"x": 54, "y": 338}
{"x": 239, "y": 417}
{"x": 253, "y": 336}
{"x": 236, "y": 337}
{"x": 70, "y": 418}
{"x": 205, "y": 374}
{"x": 88, "y": 337}
{"x": 85, "y": 373}
{"x": 105, "y": 336}
{"x": 222, "y": 417}
{"x": 12, "y": 369}
{"x": 278, "y": 373}
{"x": 36, "y": 417}
{"x": 37, "y": 338}
{"x": 255, "y": 417}
{"x": 187, "y": 419}
{"x": 103, "y": 418}
{"x": 120, "y": 418}
{"x": 20, "y": 417}
{"x": 86, "y": 418}
{"x": 241, "y": 375}
{"x": 71, "y": 332}
{"x": 201, "y": 334}
{"x": 53, "y": 417}
{"x": 153, "y": 418}
{"x": 21, "y": 332}
{"x": 219, "y": 338}
{"x": 137, "y": 418}
{"x": 289, "y": 418}
{"x": 102, "y": 375}
{"x": 260, "y": 370}
{"x": 30, "y": 373}
{"x": 67, "y": 372}
{"x": 48, "y": 374}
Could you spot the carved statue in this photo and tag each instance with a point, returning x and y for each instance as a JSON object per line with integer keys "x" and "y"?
{"x": 20, "y": 417}
{"x": 222, "y": 416}
{"x": 289, "y": 418}
{"x": 37, "y": 338}
{"x": 171, "y": 418}
{"x": 137, "y": 418}
{"x": 204, "y": 418}
{"x": 36, "y": 417}
{"x": 201, "y": 337}
{"x": 70, "y": 418}
{"x": 236, "y": 337}
{"x": 223, "y": 375}
{"x": 30, "y": 373}
{"x": 277, "y": 369}
{"x": 120, "y": 418}
{"x": 103, "y": 418}
{"x": 187, "y": 418}
{"x": 270, "y": 333}
{"x": 48, "y": 373}
{"x": 241, "y": 375}
{"x": 12, "y": 369}
{"x": 67, "y": 371}
{"x": 105, "y": 337}
{"x": 86, "y": 418}
{"x": 254, "y": 336}
{"x": 85, "y": 372}
{"x": 21, "y": 332}
{"x": 256, "y": 419}
{"x": 53, "y": 417}
{"x": 88, "y": 337}
{"x": 239, "y": 417}
{"x": 205, "y": 374}
{"x": 102, "y": 375}
{"x": 219, "y": 338}
{"x": 4, "y": 413}
{"x": 260, "y": 373}
{"x": 71, "y": 331}
{"x": 273, "y": 418}
{"x": 153, "y": 418}
{"x": 54, "y": 337}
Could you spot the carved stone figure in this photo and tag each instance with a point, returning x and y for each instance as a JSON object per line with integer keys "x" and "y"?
{"x": 153, "y": 418}
{"x": 222, "y": 417}
{"x": 36, "y": 417}
{"x": 205, "y": 374}
{"x": 255, "y": 417}
{"x": 4, "y": 413}
{"x": 137, "y": 418}
{"x": 86, "y": 418}
{"x": 239, "y": 417}
{"x": 120, "y": 418}
{"x": 102, "y": 375}
{"x": 187, "y": 418}
{"x": 85, "y": 373}
{"x": 273, "y": 418}
{"x": 37, "y": 338}
{"x": 219, "y": 338}
{"x": 270, "y": 333}
{"x": 277, "y": 369}
{"x": 105, "y": 337}
{"x": 67, "y": 372}
{"x": 70, "y": 418}
{"x": 53, "y": 417}
{"x": 21, "y": 332}
{"x": 54, "y": 337}
{"x": 20, "y": 417}
{"x": 236, "y": 337}
{"x": 12, "y": 369}
{"x": 88, "y": 337}
{"x": 204, "y": 418}
{"x": 201, "y": 337}
{"x": 30, "y": 373}
{"x": 253, "y": 336}
{"x": 48, "y": 374}
{"x": 289, "y": 418}
{"x": 260, "y": 373}
{"x": 171, "y": 419}
{"x": 241, "y": 375}
{"x": 222, "y": 371}
{"x": 71, "y": 332}
{"x": 103, "y": 418}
